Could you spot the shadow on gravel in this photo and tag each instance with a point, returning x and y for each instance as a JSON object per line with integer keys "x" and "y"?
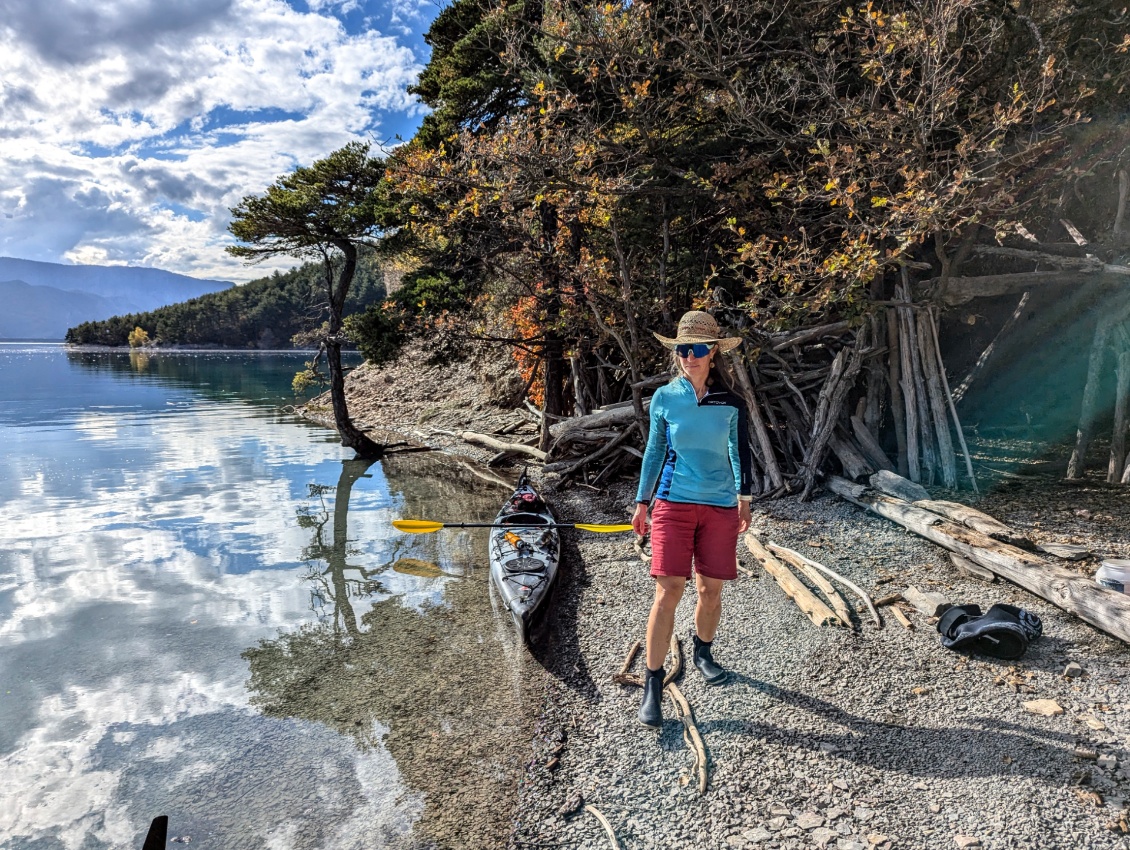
{"x": 554, "y": 642}
{"x": 983, "y": 747}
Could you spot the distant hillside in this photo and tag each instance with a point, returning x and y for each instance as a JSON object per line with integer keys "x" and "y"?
{"x": 44, "y": 312}
{"x": 42, "y": 300}
{"x": 265, "y": 313}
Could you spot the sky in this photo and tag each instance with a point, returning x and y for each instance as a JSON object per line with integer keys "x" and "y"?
{"x": 129, "y": 128}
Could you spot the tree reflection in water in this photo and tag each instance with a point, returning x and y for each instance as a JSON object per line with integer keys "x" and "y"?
{"x": 442, "y": 686}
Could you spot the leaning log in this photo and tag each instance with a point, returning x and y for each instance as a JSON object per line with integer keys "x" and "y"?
{"x": 839, "y": 604}
{"x": 1104, "y": 609}
{"x": 601, "y": 419}
{"x": 977, "y": 520}
{"x": 500, "y": 446}
{"x": 806, "y": 600}
{"x": 962, "y": 290}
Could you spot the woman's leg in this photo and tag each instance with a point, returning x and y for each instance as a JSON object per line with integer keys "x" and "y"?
{"x": 706, "y": 615}
{"x": 708, "y": 611}
{"x": 661, "y": 621}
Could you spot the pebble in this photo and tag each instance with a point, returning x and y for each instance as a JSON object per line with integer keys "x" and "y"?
{"x": 1073, "y": 670}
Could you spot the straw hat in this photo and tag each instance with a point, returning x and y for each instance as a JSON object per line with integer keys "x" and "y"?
{"x": 697, "y": 326}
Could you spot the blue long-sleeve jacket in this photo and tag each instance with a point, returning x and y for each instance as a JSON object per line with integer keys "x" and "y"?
{"x": 697, "y": 451}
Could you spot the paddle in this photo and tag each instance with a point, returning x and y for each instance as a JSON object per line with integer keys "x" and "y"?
{"x": 425, "y": 526}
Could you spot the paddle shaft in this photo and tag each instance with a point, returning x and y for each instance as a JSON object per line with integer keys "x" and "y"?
{"x": 513, "y": 524}
{"x": 418, "y": 526}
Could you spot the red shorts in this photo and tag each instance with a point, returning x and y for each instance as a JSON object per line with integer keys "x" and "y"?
{"x": 682, "y": 534}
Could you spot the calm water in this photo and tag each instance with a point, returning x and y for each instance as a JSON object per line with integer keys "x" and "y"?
{"x": 205, "y": 613}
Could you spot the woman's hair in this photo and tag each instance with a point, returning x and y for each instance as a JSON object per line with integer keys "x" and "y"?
{"x": 720, "y": 374}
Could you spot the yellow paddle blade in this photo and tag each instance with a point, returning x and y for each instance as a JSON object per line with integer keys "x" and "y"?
{"x": 605, "y": 529}
{"x": 416, "y": 526}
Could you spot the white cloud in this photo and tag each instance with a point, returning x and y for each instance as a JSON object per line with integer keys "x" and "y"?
{"x": 133, "y": 127}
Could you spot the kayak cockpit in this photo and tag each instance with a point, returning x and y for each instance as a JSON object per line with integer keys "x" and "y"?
{"x": 523, "y": 519}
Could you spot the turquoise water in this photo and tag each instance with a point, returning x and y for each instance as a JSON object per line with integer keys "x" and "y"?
{"x": 205, "y": 614}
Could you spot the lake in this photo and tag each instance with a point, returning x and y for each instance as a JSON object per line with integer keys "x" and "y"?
{"x": 205, "y": 613}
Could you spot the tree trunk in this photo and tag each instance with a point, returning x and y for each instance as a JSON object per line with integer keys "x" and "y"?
{"x": 898, "y": 405}
{"x": 1118, "y": 437}
{"x": 1078, "y": 463}
{"x": 939, "y": 415}
{"x": 351, "y": 436}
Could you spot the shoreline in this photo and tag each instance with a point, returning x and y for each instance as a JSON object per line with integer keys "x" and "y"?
{"x": 822, "y": 738}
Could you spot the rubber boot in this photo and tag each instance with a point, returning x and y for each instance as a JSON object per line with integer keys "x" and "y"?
{"x": 704, "y": 661}
{"x": 651, "y": 709}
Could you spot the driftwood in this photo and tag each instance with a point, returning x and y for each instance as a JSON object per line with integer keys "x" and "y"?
{"x": 936, "y": 395}
{"x": 967, "y": 567}
{"x": 1118, "y": 438}
{"x": 968, "y": 380}
{"x": 948, "y": 397}
{"x": 847, "y": 583}
{"x": 901, "y": 617}
{"x": 897, "y": 486}
{"x": 839, "y": 604}
{"x": 854, "y": 464}
{"x": 962, "y": 290}
{"x": 1077, "y": 464}
{"x": 809, "y": 604}
{"x": 500, "y": 446}
{"x": 1103, "y": 608}
{"x": 596, "y": 813}
{"x": 870, "y": 446}
{"x": 975, "y": 519}
{"x": 845, "y": 367}
{"x": 691, "y": 735}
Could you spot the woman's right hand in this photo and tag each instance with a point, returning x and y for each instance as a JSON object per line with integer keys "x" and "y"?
{"x": 639, "y": 519}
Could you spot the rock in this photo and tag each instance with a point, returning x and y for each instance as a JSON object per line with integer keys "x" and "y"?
{"x": 1094, "y": 723}
{"x": 809, "y": 820}
{"x": 777, "y": 824}
{"x": 967, "y": 842}
{"x": 757, "y": 835}
{"x": 877, "y": 839}
{"x": 823, "y": 836}
{"x": 863, "y": 814}
{"x": 849, "y": 844}
{"x": 934, "y": 808}
{"x": 841, "y": 784}
{"x": 571, "y": 805}
{"x": 1107, "y": 762}
{"x": 1073, "y": 670}
{"x": 1043, "y": 707}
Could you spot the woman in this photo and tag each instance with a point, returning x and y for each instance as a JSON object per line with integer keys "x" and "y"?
{"x": 697, "y": 468}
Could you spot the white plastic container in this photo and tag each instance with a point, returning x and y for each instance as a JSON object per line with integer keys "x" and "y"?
{"x": 1115, "y": 574}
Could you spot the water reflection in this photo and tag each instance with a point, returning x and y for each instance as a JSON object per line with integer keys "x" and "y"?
{"x": 153, "y": 531}
{"x": 438, "y": 684}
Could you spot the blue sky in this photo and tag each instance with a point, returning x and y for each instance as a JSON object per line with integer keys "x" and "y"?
{"x": 130, "y": 127}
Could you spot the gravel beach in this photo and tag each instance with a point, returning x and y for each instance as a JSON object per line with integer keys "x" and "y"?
{"x": 822, "y": 737}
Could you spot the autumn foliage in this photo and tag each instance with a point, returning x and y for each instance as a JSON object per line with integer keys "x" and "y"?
{"x": 781, "y": 163}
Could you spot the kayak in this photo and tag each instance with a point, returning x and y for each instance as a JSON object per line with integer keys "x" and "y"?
{"x": 524, "y": 554}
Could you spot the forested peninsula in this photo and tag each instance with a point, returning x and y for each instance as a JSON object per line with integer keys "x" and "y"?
{"x": 275, "y": 312}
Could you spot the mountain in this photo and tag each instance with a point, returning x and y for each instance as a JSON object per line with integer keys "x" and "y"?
{"x": 42, "y": 300}
{"x": 37, "y": 312}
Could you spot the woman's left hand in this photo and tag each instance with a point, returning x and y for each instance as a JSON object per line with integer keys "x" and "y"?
{"x": 745, "y": 519}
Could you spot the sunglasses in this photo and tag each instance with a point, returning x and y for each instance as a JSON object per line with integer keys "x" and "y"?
{"x": 699, "y": 349}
